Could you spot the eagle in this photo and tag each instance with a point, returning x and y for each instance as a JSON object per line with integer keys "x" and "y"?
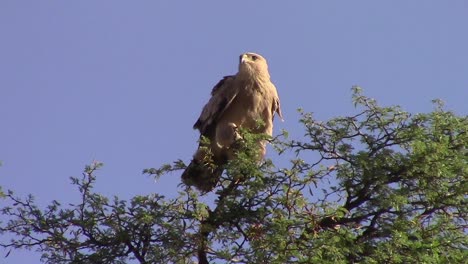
{"x": 237, "y": 101}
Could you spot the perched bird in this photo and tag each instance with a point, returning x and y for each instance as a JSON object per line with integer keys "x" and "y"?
{"x": 237, "y": 101}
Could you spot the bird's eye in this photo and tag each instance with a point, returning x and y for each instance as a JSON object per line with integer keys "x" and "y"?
{"x": 254, "y": 57}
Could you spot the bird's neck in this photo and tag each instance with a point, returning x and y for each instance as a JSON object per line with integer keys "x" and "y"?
{"x": 254, "y": 83}
{"x": 253, "y": 77}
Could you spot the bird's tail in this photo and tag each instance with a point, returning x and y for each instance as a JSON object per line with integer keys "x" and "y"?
{"x": 203, "y": 176}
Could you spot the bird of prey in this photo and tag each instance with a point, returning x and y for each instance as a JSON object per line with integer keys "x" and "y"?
{"x": 237, "y": 101}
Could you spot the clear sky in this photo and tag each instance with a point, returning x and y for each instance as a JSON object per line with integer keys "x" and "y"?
{"x": 122, "y": 82}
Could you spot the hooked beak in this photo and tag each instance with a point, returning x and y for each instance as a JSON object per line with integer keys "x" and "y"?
{"x": 243, "y": 58}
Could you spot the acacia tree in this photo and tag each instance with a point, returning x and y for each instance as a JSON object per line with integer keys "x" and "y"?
{"x": 380, "y": 186}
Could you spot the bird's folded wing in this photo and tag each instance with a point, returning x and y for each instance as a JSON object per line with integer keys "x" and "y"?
{"x": 222, "y": 95}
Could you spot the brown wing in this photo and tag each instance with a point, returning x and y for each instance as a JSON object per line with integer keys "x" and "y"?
{"x": 222, "y": 95}
{"x": 276, "y": 104}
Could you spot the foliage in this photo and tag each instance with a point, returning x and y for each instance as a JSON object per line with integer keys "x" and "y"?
{"x": 381, "y": 186}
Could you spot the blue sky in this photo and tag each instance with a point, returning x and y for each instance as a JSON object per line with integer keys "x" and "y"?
{"x": 123, "y": 82}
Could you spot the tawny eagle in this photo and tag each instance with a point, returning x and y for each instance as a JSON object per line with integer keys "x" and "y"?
{"x": 237, "y": 101}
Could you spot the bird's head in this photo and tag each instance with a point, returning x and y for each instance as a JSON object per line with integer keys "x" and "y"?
{"x": 253, "y": 64}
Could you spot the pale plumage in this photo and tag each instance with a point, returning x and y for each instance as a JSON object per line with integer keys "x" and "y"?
{"x": 236, "y": 101}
